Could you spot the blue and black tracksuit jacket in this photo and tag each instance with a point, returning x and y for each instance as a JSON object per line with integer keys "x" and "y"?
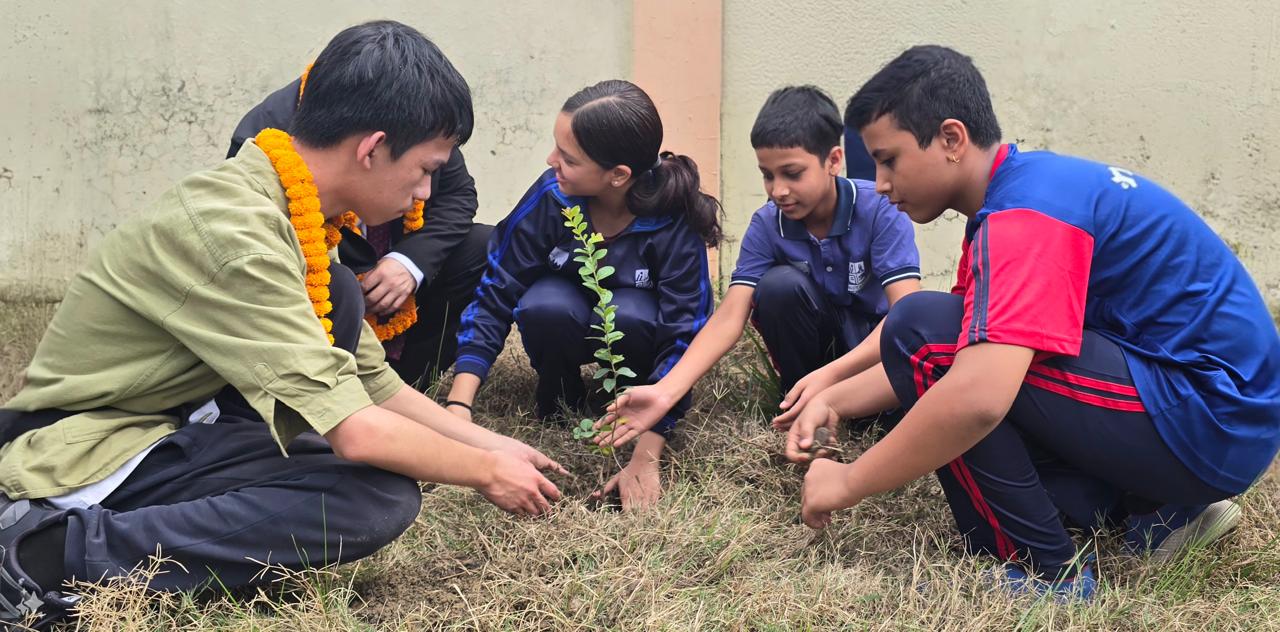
{"x": 663, "y": 254}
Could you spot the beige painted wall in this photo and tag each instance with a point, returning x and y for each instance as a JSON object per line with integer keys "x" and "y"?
{"x": 1186, "y": 92}
{"x": 677, "y": 58}
{"x": 103, "y": 104}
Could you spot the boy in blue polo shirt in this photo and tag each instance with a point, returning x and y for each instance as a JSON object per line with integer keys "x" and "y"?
{"x": 1103, "y": 354}
{"x": 820, "y": 265}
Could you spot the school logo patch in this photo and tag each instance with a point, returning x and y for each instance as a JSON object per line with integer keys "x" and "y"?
{"x": 857, "y": 276}
{"x": 557, "y": 258}
{"x": 642, "y": 278}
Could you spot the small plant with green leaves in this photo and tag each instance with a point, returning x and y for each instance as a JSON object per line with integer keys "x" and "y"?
{"x": 593, "y": 273}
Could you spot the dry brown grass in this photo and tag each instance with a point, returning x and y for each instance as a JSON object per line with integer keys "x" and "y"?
{"x": 21, "y": 325}
{"x": 723, "y": 551}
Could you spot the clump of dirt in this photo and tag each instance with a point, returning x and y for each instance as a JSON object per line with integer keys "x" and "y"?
{"x": 821, "y": 437}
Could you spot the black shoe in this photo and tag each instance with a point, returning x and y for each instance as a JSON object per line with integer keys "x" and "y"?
{"x": 23, "y": 604}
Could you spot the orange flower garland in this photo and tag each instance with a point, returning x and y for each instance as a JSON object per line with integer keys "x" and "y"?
{"x": 407, "y": 315}
{"x": 304, "y": 214}
{"x": 400, "y": 322}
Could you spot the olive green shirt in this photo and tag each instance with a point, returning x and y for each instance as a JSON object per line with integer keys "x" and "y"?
{"x": 205, "y": 290}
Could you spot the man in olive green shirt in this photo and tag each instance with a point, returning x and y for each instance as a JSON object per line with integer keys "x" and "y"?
{"x": 170, "y": 404}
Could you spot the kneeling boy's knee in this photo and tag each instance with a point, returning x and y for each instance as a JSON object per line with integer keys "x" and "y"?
{"x": 914, "y": 313}
{"x": 779, "y": 288}
{"x": 391, "y": 505}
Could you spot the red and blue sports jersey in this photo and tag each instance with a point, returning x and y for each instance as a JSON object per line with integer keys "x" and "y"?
{"x": 1064, "y": 244}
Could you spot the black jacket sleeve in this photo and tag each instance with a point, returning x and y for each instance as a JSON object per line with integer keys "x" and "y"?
{"x": 275, "y": 111}
{"x": 447, "y": 218}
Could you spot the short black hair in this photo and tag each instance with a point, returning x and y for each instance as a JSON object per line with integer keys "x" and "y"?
{"x": 383, "y": 76}
{"x": 922, "y": 88}
{"x": 798, "y": 116}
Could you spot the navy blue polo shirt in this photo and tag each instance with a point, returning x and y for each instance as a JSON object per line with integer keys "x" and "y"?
{"x": 870, "y": 245}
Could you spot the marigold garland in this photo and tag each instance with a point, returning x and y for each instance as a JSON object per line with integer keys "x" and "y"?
{"x": 407, "y": 315}
{"x": 304, "y": 214}
{"x": 399, "y": 322}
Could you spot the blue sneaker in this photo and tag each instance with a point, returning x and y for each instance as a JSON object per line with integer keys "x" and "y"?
{"x": 1173, "y": 530}
{"x": 1015, "y": 580}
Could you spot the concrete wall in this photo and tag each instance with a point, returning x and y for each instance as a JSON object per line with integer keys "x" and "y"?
{"x": 104, "y": 104}
{"x": 1186, "y": 92}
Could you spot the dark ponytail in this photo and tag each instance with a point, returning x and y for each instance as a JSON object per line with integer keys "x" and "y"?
{"x": 616, "y": 123}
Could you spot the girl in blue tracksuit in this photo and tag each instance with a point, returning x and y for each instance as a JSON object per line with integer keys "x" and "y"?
{"x": 657, "y": 225}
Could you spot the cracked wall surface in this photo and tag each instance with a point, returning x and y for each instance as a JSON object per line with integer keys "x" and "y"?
{"x": 1187, "y": 93}
{"x": 104, "y": 104}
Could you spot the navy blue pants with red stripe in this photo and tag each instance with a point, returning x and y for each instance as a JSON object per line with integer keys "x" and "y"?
{"x": 1076, "y": 446}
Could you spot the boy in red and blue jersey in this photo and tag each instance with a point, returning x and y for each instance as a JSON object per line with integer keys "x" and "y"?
{"x": 1102, "y": 357}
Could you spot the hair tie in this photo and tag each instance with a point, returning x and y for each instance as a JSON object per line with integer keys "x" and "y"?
{"x": 653, "y": 171}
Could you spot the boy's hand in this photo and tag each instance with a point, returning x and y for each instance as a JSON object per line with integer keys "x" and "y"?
{"x": 528, "y": 454}
{"x": 639, "y": 409}
{"x": 825, "y": 490}
{"x": 517, "y": 487}
{"x": 639, "y": 484}
{"x": 800, "y": 441}
{"x": 800, "y": 395}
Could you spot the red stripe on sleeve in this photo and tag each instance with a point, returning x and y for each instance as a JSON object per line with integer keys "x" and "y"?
{"x": 963, "y": 276}
{"x": 1030, "y": 282}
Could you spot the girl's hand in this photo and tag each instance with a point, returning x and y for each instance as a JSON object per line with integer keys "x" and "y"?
{"x": 633, "y": 414}
{"x": 639, "y": 484}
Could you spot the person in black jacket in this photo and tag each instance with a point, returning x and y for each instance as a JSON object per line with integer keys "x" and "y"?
{"x": 656, "y": 225}
{"x": 439, "y": 264}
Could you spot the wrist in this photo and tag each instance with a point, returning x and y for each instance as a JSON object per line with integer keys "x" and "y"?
{"x": 487, "y": 473}
{"x": 644, "y": 462}
{"x": 853, "y": 487}
{"x": 648, "y": 450}
{"x": 669, "y": 394}
{"x": 843, "y": 368}
{"x": 465, "y": 387}
{"x": 821, "y": 401}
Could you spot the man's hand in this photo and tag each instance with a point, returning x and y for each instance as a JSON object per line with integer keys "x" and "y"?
{"x": 387, "y": 286}
{"x": 818, "y": 414}
{"x": 528, "y": 454}
{"x": 517, "y": 487}
{"x": 641, "y": 408}
{"x": 800, "y": 395}
{"x": 825, "y": 490}
{"x": 639, "y": 484}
